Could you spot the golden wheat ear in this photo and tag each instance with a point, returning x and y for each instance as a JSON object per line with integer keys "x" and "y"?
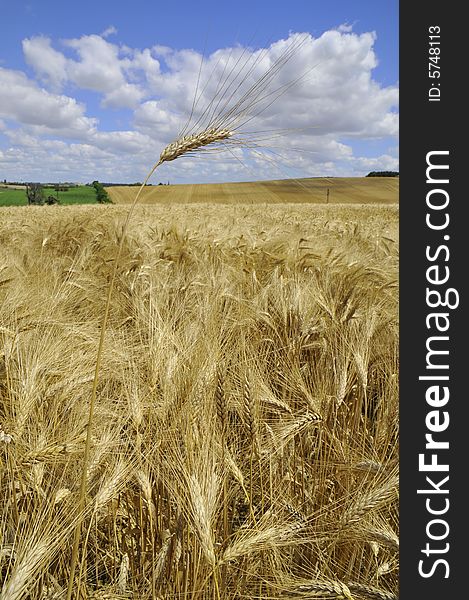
{"x": 191, "y": 143}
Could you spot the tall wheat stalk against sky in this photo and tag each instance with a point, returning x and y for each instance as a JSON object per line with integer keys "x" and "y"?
{"x": 218, "y": 126}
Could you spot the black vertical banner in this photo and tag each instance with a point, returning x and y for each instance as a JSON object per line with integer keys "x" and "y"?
{"x": 434, "y": 241}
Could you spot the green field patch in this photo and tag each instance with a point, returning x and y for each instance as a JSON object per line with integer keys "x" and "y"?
{"x": 10, "y": 197}
{"x": 82, "y": 194}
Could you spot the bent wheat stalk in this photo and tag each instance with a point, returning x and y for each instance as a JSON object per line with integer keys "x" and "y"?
{"x": 220, "y": 131}
{"x": 184, "y": 145}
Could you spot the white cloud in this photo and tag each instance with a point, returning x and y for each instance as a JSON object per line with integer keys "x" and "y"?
{"x": 111, "y": 30}
{"x": 124, "y": 142}
{"x": 333, "y": 102}
{"x": 154, "y": 118}
{"x": 23, "y": 101}
{"x": 124, "y": 96}
{"x": 345, "y": 28}
{"x": 44, "y": 163}
{"x": 337, "y": 95}
{"x": 49, "y": 64}
{"x": 385, "y": 162}
{"x": 98, "y": 68}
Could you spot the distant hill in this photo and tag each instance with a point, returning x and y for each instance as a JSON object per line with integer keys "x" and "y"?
{"x": 316, "y": 190}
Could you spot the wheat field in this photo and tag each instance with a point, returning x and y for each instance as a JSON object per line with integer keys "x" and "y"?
{"x": 245, "y": 439}
{"x": 316, "y": 190}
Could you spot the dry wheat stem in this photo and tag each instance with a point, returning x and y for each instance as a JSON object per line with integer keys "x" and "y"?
{"x": 174, "y": 150}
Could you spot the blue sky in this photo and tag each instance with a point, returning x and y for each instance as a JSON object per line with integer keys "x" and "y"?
{"x": 95, "y": 90}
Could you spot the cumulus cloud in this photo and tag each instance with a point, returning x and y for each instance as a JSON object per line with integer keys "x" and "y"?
{"x": 334, "y": 90}
{"x": 333, "y": 101}
{"x": 49, "y": 64}
{"x": 23, "y": 101}
{"x": 99, "y": 67}
{"x": 336, "y": 100}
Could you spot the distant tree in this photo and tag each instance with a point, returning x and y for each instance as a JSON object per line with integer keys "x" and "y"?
{"x": 51, "y": 200}
{"x": 101, "y": 195}
{"x": 35, "y": 193}
{"x": 383, "y": 174}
